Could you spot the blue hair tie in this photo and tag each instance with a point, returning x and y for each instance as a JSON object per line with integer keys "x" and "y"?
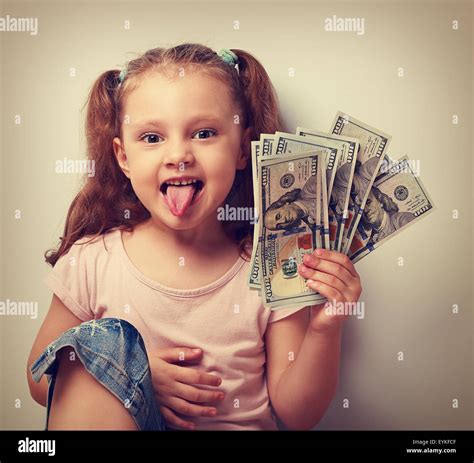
{"x": 229, "y": 57}
{"x": 122, "y": 75}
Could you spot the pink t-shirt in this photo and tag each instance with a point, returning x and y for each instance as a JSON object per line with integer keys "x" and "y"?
{"x": 224, "y": 318}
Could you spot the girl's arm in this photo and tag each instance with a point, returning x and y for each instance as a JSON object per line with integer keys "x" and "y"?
{"x": 303, "y": 350}
{"x": 58, "y": 320}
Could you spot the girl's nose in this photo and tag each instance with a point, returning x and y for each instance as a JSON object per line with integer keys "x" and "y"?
{"x": 178, "y": 153}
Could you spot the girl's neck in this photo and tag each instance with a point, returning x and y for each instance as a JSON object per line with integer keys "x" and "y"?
{"x": 207, "y": 240}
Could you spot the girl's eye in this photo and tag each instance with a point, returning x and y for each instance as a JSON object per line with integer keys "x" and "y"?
{"x": 152, "y": 137}
{"x": 204, "y": 131}
{"x": 278, "y": 216}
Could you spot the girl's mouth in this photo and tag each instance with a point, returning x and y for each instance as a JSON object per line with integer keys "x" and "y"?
{"x": 179, "y": 198}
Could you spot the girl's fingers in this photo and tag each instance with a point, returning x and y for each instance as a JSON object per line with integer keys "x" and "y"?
{"x": 329, "y": 280}
{"x": 330, "y": 267}
{"x": 337, "y": 258}
{"x": 188, "y": 375}
{"x": 183, "y": 407}
{"x": 171, "y": 418}
{"x": 178, "y": 354}
{"x": 193, "y": 394}
{"x": 332, "y": 294}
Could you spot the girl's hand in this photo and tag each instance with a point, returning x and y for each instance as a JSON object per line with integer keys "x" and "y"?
{"x": 333, "y": 275}
{"x": 175, "y": 385}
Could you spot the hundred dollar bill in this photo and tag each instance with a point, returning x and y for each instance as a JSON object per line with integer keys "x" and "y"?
{"x": 319, "y": 204}
{"x": 288, "y": 210}
{"x": 341, "y": 188}
{"x": 323, "y": 203}
{"x": 372, "y": 145}
{"x": 262, "y": 148}
{"x": 253, "y": 275}
{"x": 396, "y": 200}
{"x": 288, "y": 143}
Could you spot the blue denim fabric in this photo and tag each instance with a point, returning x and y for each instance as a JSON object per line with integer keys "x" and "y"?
{"x": 113, "y": 352}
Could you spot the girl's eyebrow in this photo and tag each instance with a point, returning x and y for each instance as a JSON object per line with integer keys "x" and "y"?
{"x": 159, "y": 123}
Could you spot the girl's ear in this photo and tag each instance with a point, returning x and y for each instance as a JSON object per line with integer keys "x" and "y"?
{"x": 121, "y": 156}
{"x": 244, "y": 155}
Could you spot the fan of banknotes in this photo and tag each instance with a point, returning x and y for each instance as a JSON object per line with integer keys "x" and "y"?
{"x": 339, "y": 191}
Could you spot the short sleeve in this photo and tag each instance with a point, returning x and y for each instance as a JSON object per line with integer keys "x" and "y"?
{"x": 279, "y": 314}
{"x": 69, "y": 281}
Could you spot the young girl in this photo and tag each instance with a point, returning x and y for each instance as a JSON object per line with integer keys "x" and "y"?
{"x": 152, "y": 324}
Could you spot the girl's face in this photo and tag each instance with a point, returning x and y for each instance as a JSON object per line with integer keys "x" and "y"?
{"x": 177, "y": 128}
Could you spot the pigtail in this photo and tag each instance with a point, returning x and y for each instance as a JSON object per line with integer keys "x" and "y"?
{"x": 260, "y": 96}
{"x": 101, "y": 116}
{"x": 106, "y": 200}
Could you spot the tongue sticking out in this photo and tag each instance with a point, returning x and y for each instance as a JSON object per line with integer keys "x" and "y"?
{"x": 179, "y": 198}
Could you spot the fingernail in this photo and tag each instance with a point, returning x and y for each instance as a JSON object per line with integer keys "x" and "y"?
{"x": 212, "y": 412}
{"x": 197, "y": 351}
{"x": 319, "y": 252}
{"x": 310, "y": 259}
{"x": 304, "y": 269}
{"x": 221, "y": 396}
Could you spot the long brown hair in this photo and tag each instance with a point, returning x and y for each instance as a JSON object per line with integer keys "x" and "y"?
{"x": 107, "y": 200}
